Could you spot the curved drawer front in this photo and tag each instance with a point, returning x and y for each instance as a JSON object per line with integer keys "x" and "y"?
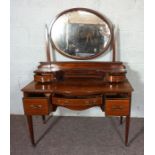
{"x": 77, "y": 101}
{"x": 36, "y": 106}
{"x": 117, "y": 107}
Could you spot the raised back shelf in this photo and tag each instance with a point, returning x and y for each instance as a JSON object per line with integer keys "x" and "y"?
{"x": 109, "y": 71}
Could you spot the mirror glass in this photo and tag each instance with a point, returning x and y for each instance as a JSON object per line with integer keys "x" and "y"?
{"x": 80, "y": 34}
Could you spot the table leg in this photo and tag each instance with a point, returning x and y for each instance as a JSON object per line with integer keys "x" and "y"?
{"x": 30, "y": 126}
{"x": 43, "y": 118}
{"x": 127, "y": 129}
{"x": 121, "y": 119}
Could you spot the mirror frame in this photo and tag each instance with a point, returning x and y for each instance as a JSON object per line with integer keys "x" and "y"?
{"x": 109, "y": 43}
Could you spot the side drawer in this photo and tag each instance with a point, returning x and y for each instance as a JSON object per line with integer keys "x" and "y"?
{"x": 36, "y": 106}
{"x": 93, "y": 101}
{"x": 117, "y": 107}
{"x": 116, "y": 78}
{"x": 44, "y": 78}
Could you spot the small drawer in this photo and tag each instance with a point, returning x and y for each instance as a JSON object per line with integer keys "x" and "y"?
{"x": 36, "y": 105}
{"x": 44, "y": 78}
{"x": 117, "y": 106}
{"x": 116, "y": 78}
{"x": 93, "y": 101}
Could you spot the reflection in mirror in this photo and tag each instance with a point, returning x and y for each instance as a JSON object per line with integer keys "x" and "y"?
{"x": 80, "y": 34}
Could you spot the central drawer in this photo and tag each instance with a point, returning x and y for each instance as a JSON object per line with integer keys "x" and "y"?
{"x": 87, "y": 101}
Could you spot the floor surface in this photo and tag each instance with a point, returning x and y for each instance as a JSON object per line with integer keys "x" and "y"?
{"x": 76, "y": 136}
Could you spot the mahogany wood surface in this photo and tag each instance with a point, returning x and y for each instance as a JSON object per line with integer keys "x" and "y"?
{"x": 36, "y": 106}
{"x": 77, "y": 103}
{"x": 110, "y": 66}
{"x": 44, "y": 78}
{"x": 30, "y": 126}
{"x": 110, "y": 71}
{"x": 121, "y": 119}
{"x": 82, "y": 86}
{"x": 71, "y": 87}
{"x": 117, "y": 107}
{"x": 44, "y": 119}
{"x": 127, "y": 129}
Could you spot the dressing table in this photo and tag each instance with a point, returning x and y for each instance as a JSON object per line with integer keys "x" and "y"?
{"x": 81, "y": 34}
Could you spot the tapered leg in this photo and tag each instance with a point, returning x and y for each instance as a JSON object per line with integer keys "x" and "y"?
{"x": 121, "y": 119}
{"x": 43, "y": 118}
{"x": 127, "y": 129}
{"x": 30, "y": 125}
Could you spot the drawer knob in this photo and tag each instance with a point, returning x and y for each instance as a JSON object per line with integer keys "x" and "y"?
{"x": 36, "y": 106}
{"x": 117, "y": 108}
{"x": 90, "y": 103}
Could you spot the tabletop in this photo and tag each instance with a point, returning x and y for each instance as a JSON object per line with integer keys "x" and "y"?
{"x": 79, "y": 87}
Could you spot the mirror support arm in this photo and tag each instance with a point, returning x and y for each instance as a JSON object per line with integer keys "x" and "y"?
{"x": 47, "y": 44}
{"x": 113, "y": 46}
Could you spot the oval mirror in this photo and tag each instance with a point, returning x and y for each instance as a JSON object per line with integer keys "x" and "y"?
{"x": 80, "y": 33}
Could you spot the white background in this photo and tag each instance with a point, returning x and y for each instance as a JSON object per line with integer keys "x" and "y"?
{"x": 27, "y": 44}
{"x": 149, "y": 76}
